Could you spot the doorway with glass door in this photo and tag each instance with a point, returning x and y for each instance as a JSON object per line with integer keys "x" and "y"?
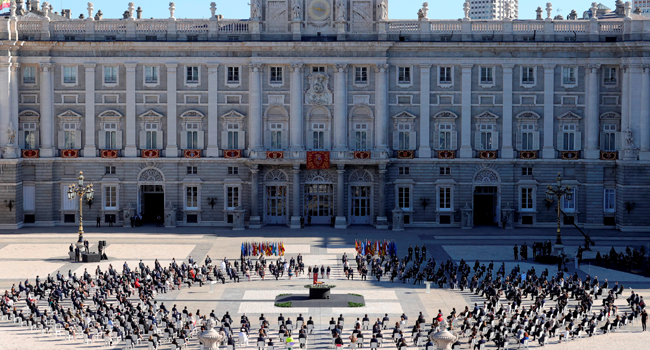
{"x": 276, "y": 204}
{"x": 152, "y": 203}
{"x": 360, "y": 211}
{"x": 319, "y": 203}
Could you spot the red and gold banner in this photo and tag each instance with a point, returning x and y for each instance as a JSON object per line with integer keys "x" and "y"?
{"x": 274, "y": 155}
{"x": 528, "y": 154}
{"x": 446, "y": 154}
{"x": 30, "y": 153}
{"x": 318, "y": 160}
{"x": 109, "y": 153}
{"x": 405, "y": 154}
{"x": 192, "y": 153}
{"x": 361, "y": 154}
{"x": 150, "y": 153}
{"x": 232, "y": 153}
{"x": 488, "y": 154}
{"x": 69, "y": 153}
{"x": 570, "y": 155}
{"x": 608, "y": 155}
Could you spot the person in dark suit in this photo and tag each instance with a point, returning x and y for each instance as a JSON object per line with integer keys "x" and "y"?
{"x": 478, "y": 343}
{"x": 644, "y": 319}
{"x": 99, "y": 221}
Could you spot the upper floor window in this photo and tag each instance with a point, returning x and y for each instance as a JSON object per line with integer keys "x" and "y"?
{"x": 110, "y": 197}
{"x": 275, "y": 75}
{"x": 445, "y": 75}
{"x": 528, "y": 137}
{"x": 110, "y": 75}
{"x": 528, "y": 75}
{"x": 151, "y": 130}
{"x": 361, "y": 75}
{"x": 30, "y": 131}
{"x": 151, "y": 75}
{"x": 487, "y": 75}
{"x": 233, "y": 75}
{"x": 610, "y": 76}
{"x": 446, "y": 137}
{"x": 609, "y": 137}
{"x": 69, "y": 75}
{"x": 192, "y": 75}
{"x": 404, "y": 136}
{"x": 569, "y": 75}
{"x": 69, "y": 135}
{"x": 361, "y": 136}
{"x": 318, "y": 135}
{"x": 487, "y": 137}
{"x": 404, "y": 75}
{"x": 318, "y": 69}
{"x": 276, "y": 135}
{"x": 569, "y": 139}
{"x": 110, "y": 132}
{"x": 29, "y": 75}
{"x": 233, "y": 135}
{"x": 192, "y": 130}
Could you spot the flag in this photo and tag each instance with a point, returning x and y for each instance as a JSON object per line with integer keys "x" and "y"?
{"x": 318, "y": 160}
{"x": 4, "y": 5}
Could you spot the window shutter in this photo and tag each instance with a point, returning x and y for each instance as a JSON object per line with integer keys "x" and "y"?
{"x": 118, "y": 140}
{"x": 396, "y": 140}
{"x": 183, "y": 139}
{"x": 578, "y": 145}
{"x": 21, "y": 139}
{"x": 61, "y": 139}
{"x": 267, "y": 139}
{"x": 619, "y": 141}
{"x": 369, "y": 140}
{"x": 560, "y": 141}
{"x": 328, "y": 143}
{"x": 143, "y": 140}
{"x": 310, "y": 140}
{"x": 224, "y": 139}
{"x": 413, "y": 141}
{"x": 37, "y": 137}
{"x": 454, "y": 140}
{"x": 602, "y": 141}
{"x": 495, "y": 140}
{"x": 352, "y": 141}
{"x": 242, "y": 140}
{"x": 519, "y": 140}
{"x": 159, "y": 139}
{"x": 536, "y": 140}
{"x": 285, "y": 139}
{"x": 78, "y": 141}
{"x": 200, "y": 139}
{"x": 477, "y": 140}
{"x": 101, "y": 140}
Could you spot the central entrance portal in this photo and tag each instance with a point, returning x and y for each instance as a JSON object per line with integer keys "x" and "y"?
{"x": 276, "y": 204}
{"x": 152, "y": 202}
{"x": 485, "y": 205}
{"x": 319, "y": 202}
{"x": 360, "y": 205}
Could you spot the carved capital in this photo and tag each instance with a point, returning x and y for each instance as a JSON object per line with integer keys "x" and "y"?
{"x": 549, "y": 68}
{"x": 625, "y": 67}
{"x": 45, "y": 67}
{"x": 342, "y": 67}
{"x": 297, "y": 67}
{"x": 646, "y": 68}
{"x": 255, "y": 67}
{"x": 15, "y": 66}
{"x": 507, "y": 67}
{"x": 90, "y": 66}
{"x": 593, "y": 67}
{"x": 213, "y": 67}
{"x": 381, "y": 68}
{"x": 425, "y": 66}
{"x": 171, "y": 66}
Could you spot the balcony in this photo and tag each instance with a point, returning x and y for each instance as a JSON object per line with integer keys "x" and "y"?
{"x": 192, "y": 153}
{"x": 150, "y": 153}
{"x": 569, "y": 155}
{"x": 446, "y": 154}
{"x": 528, "y": 154}
{"x": 69, "y": 153}
{"x": 608, "y": 155}
{"x": 488, "y": 154}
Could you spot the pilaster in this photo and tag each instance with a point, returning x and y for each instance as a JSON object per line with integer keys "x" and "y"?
{"x": 254, "y": 221}
{"x": 507, "y": 151}
{"x": 5, "y": 112}
{"x": 425, "y": 110}
{"x": 255, "y": 108}
{"x": 382, "y": 220}
{"x": 295, "y": 218}
{"x": 131, "y": 149}
{"x": 90, "y": 148}
{"x": 466, "y": 111}
{"x": 171, "y": 151}
{"x": 340, "y": 109}
{"x": 47, "y": 110}
{"x": 644, "y": 134}
{"x": 213, "y": 110}
{"x": 592, "y": 149}
{"x": 381, "y": 108}
{"x": 548, "y": 152}
{"x": 341, "y": 221}
{"x": 296, "y": 98}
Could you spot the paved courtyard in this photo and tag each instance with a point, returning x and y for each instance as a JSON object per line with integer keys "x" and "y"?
{"x": 39, "y": 251}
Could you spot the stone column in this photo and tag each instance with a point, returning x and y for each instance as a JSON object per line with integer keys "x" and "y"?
{"x": 255, "y": 108}
{"x": 340, "y": 108}
{"x": 635, "y": 72}
{"x": 296, "y": 128}
{"x": 341, "y": 221}
{"x": 506, "y": 148}
{"x": 47, "y": 110}
{"x": 5, "y": 111}
{"x": 295, "y": 218}
{"x": 381, "y": 108}
{"x": 644, "y": 134}
{"x": 90, "y": 146}
{"x": 382, "y": 220}
{"x": 466, "y": 112}
{"x": 548, "y": 152}
{"x": 213, "y": 110}
{"x": 254, "y": 221}
{"x": 131, "y": 149}
{"x": 592, "y": 149}
{"x": 625, "y": 98}
{"x": 171, "y": 151}
{"x": 425, "y": 113}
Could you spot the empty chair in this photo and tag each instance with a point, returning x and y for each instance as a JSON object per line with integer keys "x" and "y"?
{"x": 366, "y": 324}
{"x": 310, "y": 328}
{"x": 261, "y": 345}
{"x": 299, "y": 324}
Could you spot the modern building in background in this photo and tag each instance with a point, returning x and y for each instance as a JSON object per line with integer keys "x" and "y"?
{"x": 643, "y": 6}
{"x": 493, "y": 9}
{"x": 325, "y": 109}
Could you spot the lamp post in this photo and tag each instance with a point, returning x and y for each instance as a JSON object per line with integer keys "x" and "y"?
{"x": 558, "y": 193}
{"x": 82, "y": 192}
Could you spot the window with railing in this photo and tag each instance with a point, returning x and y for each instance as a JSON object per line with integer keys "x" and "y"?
{"x": 151, "y": 74}
{"x": 69, "y": 75}
{"x": 361, "y": 136}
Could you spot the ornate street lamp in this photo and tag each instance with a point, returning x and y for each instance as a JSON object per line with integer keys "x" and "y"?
{"x": 558, "y": 192}
{"x": 82, "y": 192}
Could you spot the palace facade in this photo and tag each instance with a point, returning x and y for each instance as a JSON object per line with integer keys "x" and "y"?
{"x": 439, "y": 123}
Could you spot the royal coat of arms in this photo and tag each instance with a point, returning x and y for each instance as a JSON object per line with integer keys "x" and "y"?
{"x": 319, "y": 92}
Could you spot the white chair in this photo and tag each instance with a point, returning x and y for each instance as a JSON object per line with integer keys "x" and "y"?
{"x": 261, "y": 345}
{"x": 481, "y": 347}
{"x": 506, "y": 345}
{"x": 303, "y": 342}
{"x": 526, "y": 343}
{"x": 333, "y": 343}
{"x": 366, "y": 324}
{"x": 310, "y": 328}
{"x": 374, "y": 345}
{"x": 359, "y": 343}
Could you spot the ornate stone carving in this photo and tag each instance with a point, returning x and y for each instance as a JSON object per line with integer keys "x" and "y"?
{"x": 445, "y": 115}
{"x": 172, "y": 10}
{"x": 486, "y": 175}
{"x": 320, "y": 177}
{"x": 610, "y": 115}
{"x": 296, "y": 10}
{"x": 151, "y": 175}
{"x": 319, "y": 92}
{"x": 360, "y": 176}
{"x": 275, "y": 175}
{"x": 466, "y": 8}
{"x": 382, "y": 10}
{"x": 256, "y": 10}
{"x": 629, "y": 137}
{"x": 11, "y": 132}
{"x": 341, "y": 11}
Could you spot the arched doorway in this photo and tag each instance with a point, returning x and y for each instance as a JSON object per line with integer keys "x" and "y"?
{"x": 151, "y": 194}
{"x": 276, "y": 203}
{"x": 486, "y": 197}
{"x": 360, "y": 198}
{"x": 319, "y": 196}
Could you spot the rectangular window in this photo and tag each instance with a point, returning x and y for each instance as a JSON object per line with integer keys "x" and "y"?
{"x": 404, "y": 75}
{"x": 232, "y": 197}
{"x": 69, "y": 131}
{"x": 611, "y": 75}
{"x": 445, "y": 171}
{"x": 110, "y": 130}
{"x": 445, "y": 75}
{"x": 487, "y": 142}
{"x": 192, "y": 170}
{"x": 609, "y": 200}
{"x": 29, "y": 75}
{"x": 568, "y": 75}
{"x": 445, "y": 136}
{"x": 404, "y": 170}
{"x": 110, "y": 75}
{"x": 233, "y": 135}
{"x": 192, "y": 76}
{"x": 151, "y": 130}
{"x": 151, "y": 74}
{"x": 192, "y": 198}
{"x": 318, "y": 134}
{"x": 30, "y": 135}
{"x": 361, "y": 75}
{"x": 527, "y": 132}
{"x": 444, "y": 198}
{"x": 192, "y": 130}
{"x": 569, "y": 137}
{"x": 276, "y": 75}
{"x": 233, "y": 75}
{"x": 486, "y": 75}
{"x": 569, "y": 206}
{"x": 318, "y": 69}
{"x": 276, "y": 135}
{"x": 233, "y": 170}
{"x": 110, "y": 170}
{"x": 528, "y": 75}
{"x": 610, "y": 137}
{"x": 527, "y": 201}
{"x": 361, "y": 136}
{"x": 527, "y": 171}
{"x": 69, "y": 75}
{"x": 404, "y": 136}
{"x": 404, "y": 198}
{"x": 110, "y": 198}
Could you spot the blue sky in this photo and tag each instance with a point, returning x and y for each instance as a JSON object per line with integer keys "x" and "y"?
{"x": 397, "y": 9}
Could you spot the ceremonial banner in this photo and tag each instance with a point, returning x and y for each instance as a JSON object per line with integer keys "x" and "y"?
{"x": 405, "y": 154}
{"x": 109, "y": 153}
{"x": 274, "y": 154}
{"x": 150, "y": 153}
{"x": 232, "y": 153}
{"x": 30, "y": 153}
{"x": 361, "y": 155}
{"x": 4, "y": 5}
{"x": 318, "y": 160}
{"x": 192, "y": 153}
{"x": 69, "y": 153}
